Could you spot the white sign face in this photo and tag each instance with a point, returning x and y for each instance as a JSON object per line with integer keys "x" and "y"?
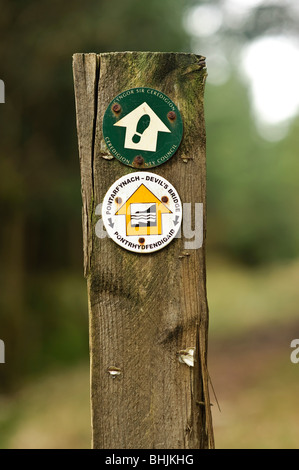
{"x": 142, "y": 212}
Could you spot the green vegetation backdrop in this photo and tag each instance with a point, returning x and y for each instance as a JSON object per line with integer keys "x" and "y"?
{"x": 252, "y": 184}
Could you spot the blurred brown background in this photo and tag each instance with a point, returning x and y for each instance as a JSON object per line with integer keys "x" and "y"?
{"x": 251, "y": 104}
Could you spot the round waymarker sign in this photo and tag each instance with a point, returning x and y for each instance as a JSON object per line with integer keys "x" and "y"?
{"x": 142, "y": 212}
{"x": 142, "y": 127}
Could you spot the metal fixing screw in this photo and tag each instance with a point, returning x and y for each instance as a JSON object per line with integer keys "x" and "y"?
{"x": 171, "y": 115}
{"x": 164, "y": 199}
{"x": 116, "y": 107}
{"x": 138, "y": 160}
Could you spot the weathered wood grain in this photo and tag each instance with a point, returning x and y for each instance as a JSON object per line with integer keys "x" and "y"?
{"x": 144, "y": 308}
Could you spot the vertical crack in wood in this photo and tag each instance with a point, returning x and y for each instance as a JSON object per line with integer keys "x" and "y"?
{"x": 201, "y": 387}
{"x": 86, "y": 69}
{"x": 92, "y": 163}
{"x": 94, "y": 127}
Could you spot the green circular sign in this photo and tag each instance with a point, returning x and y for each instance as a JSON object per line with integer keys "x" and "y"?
{"x": 142, "y": 127}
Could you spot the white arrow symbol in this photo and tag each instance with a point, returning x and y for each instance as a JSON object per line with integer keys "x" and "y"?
{"x": 142, "y": 127}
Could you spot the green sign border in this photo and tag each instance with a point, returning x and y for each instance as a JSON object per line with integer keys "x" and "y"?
{"x": 166, "y": 110}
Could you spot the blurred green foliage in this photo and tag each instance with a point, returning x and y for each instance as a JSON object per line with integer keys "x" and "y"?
{"x": 43, "y": 301}
{"x": 252, "y": 184}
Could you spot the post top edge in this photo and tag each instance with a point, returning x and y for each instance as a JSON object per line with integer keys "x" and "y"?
{"x": 112, "y": 53}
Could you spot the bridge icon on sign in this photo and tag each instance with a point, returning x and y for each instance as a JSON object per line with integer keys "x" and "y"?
{"x": 143, "y": 211}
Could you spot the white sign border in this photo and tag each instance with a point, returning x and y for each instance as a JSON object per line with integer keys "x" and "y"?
{"x": 157, "y": 185}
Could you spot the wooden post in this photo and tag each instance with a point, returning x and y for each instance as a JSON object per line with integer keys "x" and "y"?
{"x": 144, "y": 308}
